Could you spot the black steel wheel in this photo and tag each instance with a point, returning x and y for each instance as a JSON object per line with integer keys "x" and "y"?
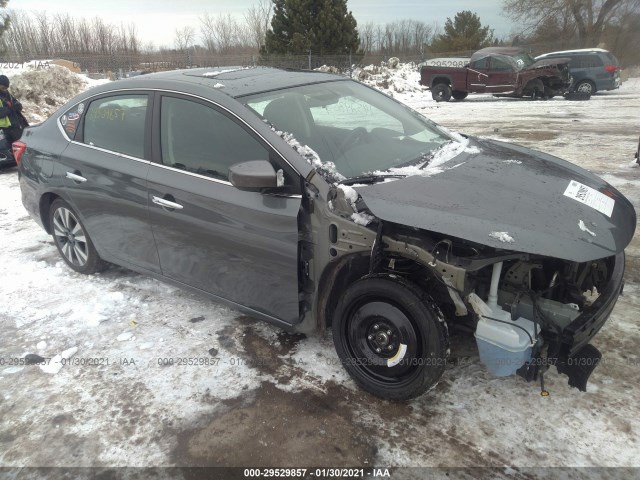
{"x": 72, "y": 240}
{"x": 390, "y": 337}
{"x": 441, "y": 92}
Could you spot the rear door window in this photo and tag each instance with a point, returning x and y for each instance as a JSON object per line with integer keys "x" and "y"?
{"x": 117, "y": 123}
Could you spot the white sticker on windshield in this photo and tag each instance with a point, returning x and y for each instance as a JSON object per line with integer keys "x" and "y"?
{"x": 590, "y": 197}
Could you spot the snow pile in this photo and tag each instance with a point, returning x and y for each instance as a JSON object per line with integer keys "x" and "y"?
{"x": 43, "y": 91}
{"x": 390, "y": 78}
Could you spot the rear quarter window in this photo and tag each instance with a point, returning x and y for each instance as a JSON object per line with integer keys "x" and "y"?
{"x": 70, "y": 120}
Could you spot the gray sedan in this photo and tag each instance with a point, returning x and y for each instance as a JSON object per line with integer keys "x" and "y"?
{"x": 312, "y": 201}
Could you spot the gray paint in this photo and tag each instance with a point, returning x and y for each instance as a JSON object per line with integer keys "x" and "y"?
{"x": 490, "y": 192}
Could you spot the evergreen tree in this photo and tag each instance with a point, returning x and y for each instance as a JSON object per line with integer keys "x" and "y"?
{"x": 324, "y": 26}
{"x": 465, "y": 32}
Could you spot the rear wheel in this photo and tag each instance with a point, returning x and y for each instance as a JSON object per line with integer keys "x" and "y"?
{"x": 441, "y": 92}
{"x": 459, "y": 95}
{"x": 72, "y": 240}
{"x": 390, "y": 337}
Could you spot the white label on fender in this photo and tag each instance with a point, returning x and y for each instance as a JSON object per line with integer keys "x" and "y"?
{"x": 590, "y": 197}
{"x": 397, "y": 358}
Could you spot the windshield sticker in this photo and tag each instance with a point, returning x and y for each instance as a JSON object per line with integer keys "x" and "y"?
{"x": 590, "y": 197}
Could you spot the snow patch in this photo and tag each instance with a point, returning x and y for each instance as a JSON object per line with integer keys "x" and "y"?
{"x": 326, "y": 169}
{"x": 123, "y": 337}
{"x": 363, "y": 219}
{"x": 503, "y": 237}
{"x": 220, "y": 72}
{"x": 512, "y": 162}
{"x": 218, "y": 85}
{"x": 584, "y": 228}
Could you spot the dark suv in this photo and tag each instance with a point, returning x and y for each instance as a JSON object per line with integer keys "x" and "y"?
{"x": 592, "y": 69}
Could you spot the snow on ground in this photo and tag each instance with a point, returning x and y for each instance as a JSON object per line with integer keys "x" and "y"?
{"x": 148, "y": 374}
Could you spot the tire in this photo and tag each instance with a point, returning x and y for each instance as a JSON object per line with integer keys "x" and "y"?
{"x": 390, "y": 337}
{"x": 441, "y": 92}
{"x": 586, "y": 87}
{"x": 535, "y": 89}
{"x": 458, "y": 95}
{"x": 71, "y": 239}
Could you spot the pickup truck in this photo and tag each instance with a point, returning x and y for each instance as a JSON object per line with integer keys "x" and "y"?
{"x": 504, "y": 71}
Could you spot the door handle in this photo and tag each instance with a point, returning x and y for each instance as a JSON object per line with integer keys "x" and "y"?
{"x": 76, "y": 178}
{"x": 166, "y": 203}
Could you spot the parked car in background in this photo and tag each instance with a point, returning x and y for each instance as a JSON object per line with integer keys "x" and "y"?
{"x": 312, "y": 201}
{"x": 505, "y": 71}
{"x": 592, "y": 69}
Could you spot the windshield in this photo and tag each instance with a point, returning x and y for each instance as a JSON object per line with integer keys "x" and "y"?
{"x": 523, "y": 60}
{"x": 352, "y": 128}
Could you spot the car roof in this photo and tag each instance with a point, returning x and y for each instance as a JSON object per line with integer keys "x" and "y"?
{"x": 485, "y": 52}
{"x": 579, "y": 50}
{"x": 233, "y": 81}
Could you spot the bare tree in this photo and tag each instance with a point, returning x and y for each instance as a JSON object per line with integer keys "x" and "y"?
{"x": 184, "y": 38}
{"x": 366, "y": 35}
{"x": 587, "y": 18}
{"x": 207, "y": 29}
{"x": 257, "y": 20}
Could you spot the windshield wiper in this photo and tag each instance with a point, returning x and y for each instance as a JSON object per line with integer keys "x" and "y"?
{"x": 369, "y": 178}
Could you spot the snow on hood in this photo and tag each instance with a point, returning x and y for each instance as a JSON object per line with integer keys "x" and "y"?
{"x": 435, "y": 163}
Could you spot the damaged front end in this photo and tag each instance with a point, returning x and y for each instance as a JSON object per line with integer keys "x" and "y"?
{"x": 527, "y": 311}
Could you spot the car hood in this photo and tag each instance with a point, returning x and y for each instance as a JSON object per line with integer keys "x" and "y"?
{"x": 549, "y": 62}
{"x": 513, "y": 198}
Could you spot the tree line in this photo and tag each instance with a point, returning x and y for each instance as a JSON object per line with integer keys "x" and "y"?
{"x": 296, "y": 27}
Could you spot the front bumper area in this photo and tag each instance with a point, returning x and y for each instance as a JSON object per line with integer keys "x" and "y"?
{"x": 570, "y": 351}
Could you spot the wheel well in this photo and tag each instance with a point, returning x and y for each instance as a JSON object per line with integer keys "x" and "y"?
{"x": 337, "y": 277}
{"x": 45, "y": 205}
{"x": 440, "y": 80}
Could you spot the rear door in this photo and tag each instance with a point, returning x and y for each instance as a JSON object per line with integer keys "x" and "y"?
{"x": 105, "y": 168}
{"x": 240, "y": 246}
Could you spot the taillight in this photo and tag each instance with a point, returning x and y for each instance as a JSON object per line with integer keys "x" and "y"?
{"x": 611, "y": 68}
{"x": 18, "y": 149}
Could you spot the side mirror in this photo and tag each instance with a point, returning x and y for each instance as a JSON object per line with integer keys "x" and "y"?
{"x": 253, "y": 176}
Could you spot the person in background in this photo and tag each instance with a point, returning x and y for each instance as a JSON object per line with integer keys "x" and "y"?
{"x": 12, "y": 122}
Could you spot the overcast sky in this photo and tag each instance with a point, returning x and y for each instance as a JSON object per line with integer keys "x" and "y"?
{"x": 157, "y": 20}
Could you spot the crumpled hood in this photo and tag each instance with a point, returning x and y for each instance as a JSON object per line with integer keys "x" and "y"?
{"x": 549, "y": 62}
{"x": 545, "y": 205}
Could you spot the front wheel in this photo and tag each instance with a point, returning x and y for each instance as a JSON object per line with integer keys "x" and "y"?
{"x": 72, "y": 240}
{"x": 390, "y": 337}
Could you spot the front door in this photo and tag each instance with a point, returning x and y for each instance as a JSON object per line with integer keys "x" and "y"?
{"x": 502, "y": 76}
{"x": 240, "y": 246}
